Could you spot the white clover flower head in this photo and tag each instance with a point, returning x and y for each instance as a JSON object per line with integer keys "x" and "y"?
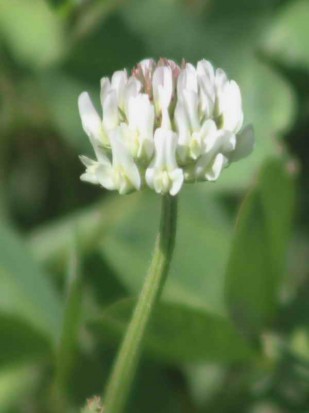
{"x": 164, "y": 125}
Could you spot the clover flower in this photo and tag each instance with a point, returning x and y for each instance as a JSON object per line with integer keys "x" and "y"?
{"x": 164, "y": 125}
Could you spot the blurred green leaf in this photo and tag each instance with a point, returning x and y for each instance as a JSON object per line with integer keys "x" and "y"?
{"x": 25, "y": 291}
{"x": 152, "y": 376}
{"x": 20, "y": 342}
{"x": 102, "y": 280}
{"x": 15, "y": 384}
{"x": 178, "y": 333}
{"x": 205, "y": 380}
{"x": 51, "y": 243}
{"x": 61, "y": 94}
{"x": 69, "y": 338}
{"x": 287, "y": 38}
{"x": 277, "y": 193}
{"x": 33, "y": 33}
{"x": 57, "y": 3}
{"x": 258, "y": 255}
{"x": 202, "y": 248}
{"x": 251, "y": 280}
{"x": 100, "y": 50}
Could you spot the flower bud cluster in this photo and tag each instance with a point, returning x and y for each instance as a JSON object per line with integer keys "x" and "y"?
{"x": 164, "y": 125}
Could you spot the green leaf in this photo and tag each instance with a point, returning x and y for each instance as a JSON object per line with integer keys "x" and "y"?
{"x": 32, "y": 32}
{"x": 25, "y": 291}
{"x": 20, "y": 342}
{"x": 58, "y": 3}
{"x": 277, "y": 194}
{"x": 61, "y": 95}
{"x": 178, "y": 333}
{"x": 251, "y": 281}
{"x": 258, "y": 255}
{"x": 15, "y": 384}
{"x": 202, "y": 247}
{"x": 99, "y": 34}
{"x": 51, "y": 243}
{"x": 205, "y": 380}
{"x": 68, "y": 343}
{"x": 287, "y": 38}
{"x": 152, "y": 376}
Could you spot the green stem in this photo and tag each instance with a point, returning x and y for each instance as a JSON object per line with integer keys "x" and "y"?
{"x": 125, "y": 366}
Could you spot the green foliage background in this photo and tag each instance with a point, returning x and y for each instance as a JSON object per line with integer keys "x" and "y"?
{"x": 231, "y": 333}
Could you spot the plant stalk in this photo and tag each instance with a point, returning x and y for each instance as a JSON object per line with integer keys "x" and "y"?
{"x": 125, "y": 366}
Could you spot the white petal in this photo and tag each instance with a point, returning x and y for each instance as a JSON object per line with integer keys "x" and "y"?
{"x": 139, "y": 133}
{"x": 160, "y": 137}
{"x": 97, "y": 173}
{"x": 187, "y": 80}
{"x": 141, "y": 115}
{"x": 206, "y": 81}
{"x": 146, "y": 149}
{"x": 205, "y": 69}
{"x": 147, "y": 65}
{"x": 90, "y": 174}
{"x": 166, "y": 121}
{"x": 105, "y": 176}
{"x": 101, "y": 154}
{"x": 88, "y": 162}
{"x": 202, "y": 164}
{"x": 90, "y": 177}
{"x": 209, "y": 134}
{"x": 123, "y": 159}
{"x": 182, "y": 123}
{"x": 196, "y": 147}
{"x": 170, "y": 150}
{"x": 191, "y": 105}
{"x": 178, "y": 179}
{"x": 110, "y": 111}
{"x": 163, "y": 174}
{"x": 209, "y": 167}
{"x": 231, "y": 107}
{"x": 191, "y": 78}
{"x": 220, "y": 79}
{"x": 245, "y": 142}
{"x": 162, "y": 83}
{"x": 119, "y": 79}
{"x": 206, "y": 102}
{"x": 89, "y": 116}
{"x": 150, "y": 176}
{"x": 131, "y": 89}
{"x": 228, "y": 142}
{"x": 214, "y": 171}
{"x": 105, "y": 89}
{"x": 165, "y": 148}
{"x": 161, "y": 182}
{"x": 225, "y": 142}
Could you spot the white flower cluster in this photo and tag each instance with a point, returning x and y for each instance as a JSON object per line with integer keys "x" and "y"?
{"x": 164, "y": 125}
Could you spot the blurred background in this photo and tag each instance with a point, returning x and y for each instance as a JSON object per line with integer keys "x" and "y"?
{"x": 231, "y": 333}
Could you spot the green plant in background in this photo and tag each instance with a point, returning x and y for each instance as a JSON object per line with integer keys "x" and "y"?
{"x": 231, "y": 330}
